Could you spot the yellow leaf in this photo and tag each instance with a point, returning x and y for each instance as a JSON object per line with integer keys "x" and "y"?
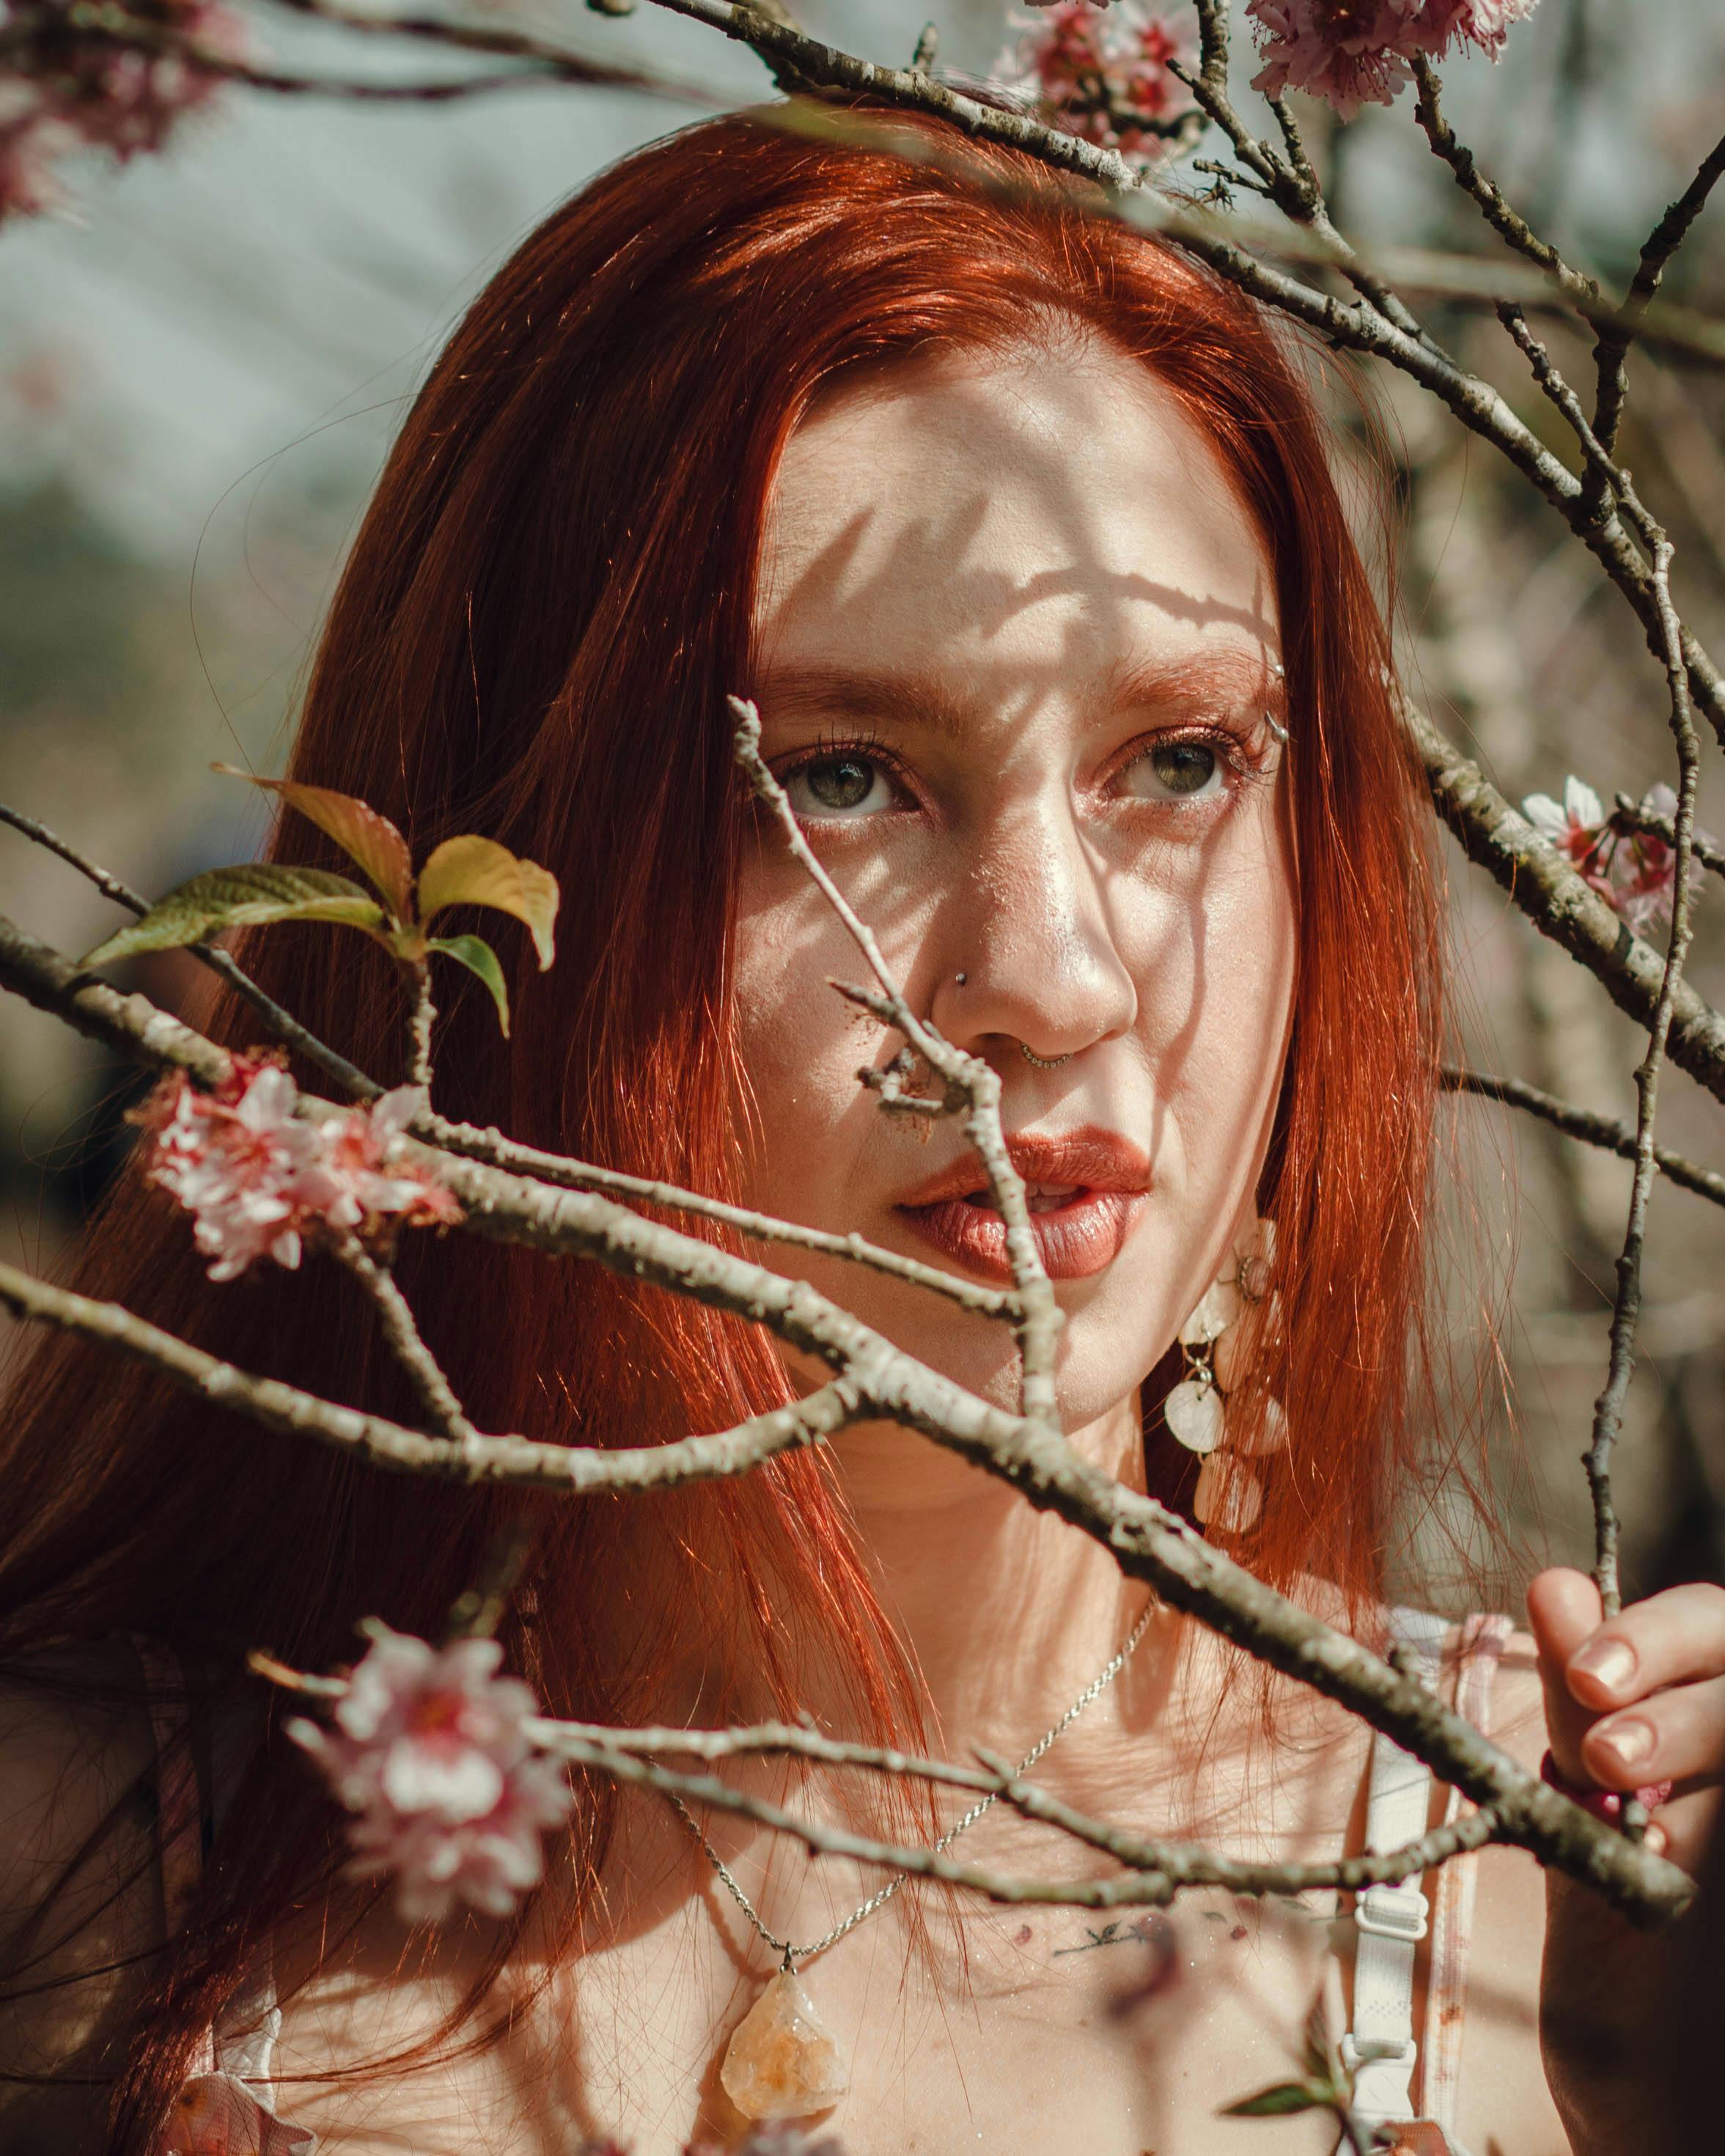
{"x": 474, "y": 871}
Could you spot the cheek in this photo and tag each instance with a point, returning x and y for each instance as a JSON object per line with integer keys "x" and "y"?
{"x": 1215, "y": 974}
{"x": 800, "y": 1045}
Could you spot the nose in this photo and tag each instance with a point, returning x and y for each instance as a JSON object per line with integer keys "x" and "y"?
{"x": 1028, "y": 952}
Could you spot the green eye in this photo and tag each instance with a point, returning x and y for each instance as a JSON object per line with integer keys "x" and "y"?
{"x": 838, "y": 785}
{"x": 1172, "y": 770}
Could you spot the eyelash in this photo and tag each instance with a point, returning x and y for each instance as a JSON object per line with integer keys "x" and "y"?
{"x": 1249, "y": 766}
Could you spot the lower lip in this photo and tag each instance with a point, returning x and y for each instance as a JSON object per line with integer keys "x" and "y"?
{"x": 1074, "y": 1240}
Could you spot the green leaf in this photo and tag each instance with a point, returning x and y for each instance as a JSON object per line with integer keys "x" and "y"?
{"x": 477, "y": 955}
{"x": 246, "y": 896}
{"x": 1281, "y": 2098}
{"x": 476, "y": 871}
{"x": 365, "y": 836}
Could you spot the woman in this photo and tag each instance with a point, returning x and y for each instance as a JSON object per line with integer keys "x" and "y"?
{"x": 1019, "y": 529}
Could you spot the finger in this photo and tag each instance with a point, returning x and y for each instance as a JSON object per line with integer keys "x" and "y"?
{"x": 1564, "y": 1611}
{"x": 1675, "y": 1736}
{"x": 1668, "y": 1638}
{"x": 1683, "y": 1829}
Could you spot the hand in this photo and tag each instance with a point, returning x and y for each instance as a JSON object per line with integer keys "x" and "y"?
{"x": 1638, "y": 1698}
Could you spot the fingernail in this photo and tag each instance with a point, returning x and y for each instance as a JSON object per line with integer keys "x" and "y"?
{"x": 1655, "y": 1841}
{"x": 1632, "y": 1742}
{"x": 1610, "y": 1661}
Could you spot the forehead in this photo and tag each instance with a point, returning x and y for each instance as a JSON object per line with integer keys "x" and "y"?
{"x": 1041, "y": 511}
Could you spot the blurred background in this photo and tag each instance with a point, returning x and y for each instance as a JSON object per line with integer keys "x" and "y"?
{"x": 200, "y": 369}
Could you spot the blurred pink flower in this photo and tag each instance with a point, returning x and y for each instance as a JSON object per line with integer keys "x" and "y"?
{"x": 430, "y": 1753}
{"x": 1352, "y": 53}
{"x": 1647, "y": 868}
{"x": 258, "y": 1179}
{"x": 1089, "y": 71}
{"x": 121, "y": 87}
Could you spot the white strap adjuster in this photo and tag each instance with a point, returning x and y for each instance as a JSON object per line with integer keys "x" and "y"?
{"x": 1392, "y": 1912}
{"x": 1377, "y": 2051}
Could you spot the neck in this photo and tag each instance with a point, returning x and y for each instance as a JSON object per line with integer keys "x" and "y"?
{"x": 1007, "y": 1612}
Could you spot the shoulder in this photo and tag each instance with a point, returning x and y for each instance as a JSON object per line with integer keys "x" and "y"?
{"x": 80, "y": 1905}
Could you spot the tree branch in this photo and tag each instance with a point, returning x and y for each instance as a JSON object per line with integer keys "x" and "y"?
{"x": 286, "y": 1029}
{"x": 1611, "y": 351}
{"x": 406, "y": 1342}
{"x": 1602, "y": 1131}
{"x": 1561, "y": 906}
{"x": 1608, "y": 1408}
{"x": 1488, "y": 197}
{"x": 575, "y": 1470}
{"x": 490, "y": 1146}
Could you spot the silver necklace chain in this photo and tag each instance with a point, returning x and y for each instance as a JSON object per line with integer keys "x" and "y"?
{"x": 792, "y": 1955}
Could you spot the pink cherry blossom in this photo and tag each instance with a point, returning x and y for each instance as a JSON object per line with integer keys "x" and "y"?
{"x": 1578, "y": 827}
{"x": 1635, "y": 872}
{"x": 67, "y": 84}
{"x": 258, "y": 1178}
{"x": 430, "y": 1753}
{"x": 1647, "y": 868}
{"x": 1089, "y": 71}
{"x": 1352, "y": 53}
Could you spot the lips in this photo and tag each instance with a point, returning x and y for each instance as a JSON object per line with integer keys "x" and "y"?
{"x": 1085, "y": 1188}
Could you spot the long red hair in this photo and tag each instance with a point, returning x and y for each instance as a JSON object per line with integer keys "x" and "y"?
{"x": 543, "y": 612}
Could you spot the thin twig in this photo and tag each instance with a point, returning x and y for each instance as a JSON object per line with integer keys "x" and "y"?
{"x": 1171, "y": 1866}
{"x": 473, "y": 1144}
{"x": 405, "y": 1343}
{"x": 421, "y": 1019}
{"x": 286, "y": 1029}
{"x": 1508, "y": 223}
{"x": 967, "y": 1079}
{"x": 578, "y": 1469}
{"x": 478, "y": 1610}
{"x": 1634, "y": 816}
{"x": 1184, "y": 1864}
{"x": 1611, "y": 351}
{"x": 1605, "y": 1132}
{"x": 1608, "y": 1408}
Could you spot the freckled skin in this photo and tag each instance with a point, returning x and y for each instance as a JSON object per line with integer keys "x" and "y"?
{"x": 1017, "y": 532}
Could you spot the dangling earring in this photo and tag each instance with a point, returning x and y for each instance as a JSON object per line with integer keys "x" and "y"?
{"x": 1221, "y": 1340}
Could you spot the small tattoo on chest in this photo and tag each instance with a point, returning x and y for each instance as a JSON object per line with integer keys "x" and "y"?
{"x": 1153, "y": 1930}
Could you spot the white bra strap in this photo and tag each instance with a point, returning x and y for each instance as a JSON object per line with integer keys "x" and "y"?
{"x": 1379, "y": 2050}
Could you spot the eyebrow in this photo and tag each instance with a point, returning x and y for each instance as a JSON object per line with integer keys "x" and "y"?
{"x": 912, "y": 697}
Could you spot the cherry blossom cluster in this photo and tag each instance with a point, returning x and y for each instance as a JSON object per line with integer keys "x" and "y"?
{"x": 430, "y": 1753}
{"x": 1094, "y": 74}
{"x": 66, "y": 84}
{"x": 259, "y": 1179}
{"x": 1635, "y": 872}
{"x": 1352, "y": 53}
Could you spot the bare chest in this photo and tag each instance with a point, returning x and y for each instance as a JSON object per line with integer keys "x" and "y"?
{"x": 1042, "y": 2030}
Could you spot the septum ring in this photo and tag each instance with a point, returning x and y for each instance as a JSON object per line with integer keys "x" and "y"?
{"x": 1044, "y": 1062}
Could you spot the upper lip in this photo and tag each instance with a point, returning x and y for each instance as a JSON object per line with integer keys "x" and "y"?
{"x": 1088, "y": 1159}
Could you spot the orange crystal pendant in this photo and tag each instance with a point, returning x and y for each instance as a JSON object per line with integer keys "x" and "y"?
{"x": 783, "y": 2061}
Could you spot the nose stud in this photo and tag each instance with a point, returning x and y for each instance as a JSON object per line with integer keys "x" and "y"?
{"x": 1043, "y": 1062}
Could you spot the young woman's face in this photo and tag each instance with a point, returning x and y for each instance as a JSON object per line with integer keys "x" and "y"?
{"x": 1017, "y": 641}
